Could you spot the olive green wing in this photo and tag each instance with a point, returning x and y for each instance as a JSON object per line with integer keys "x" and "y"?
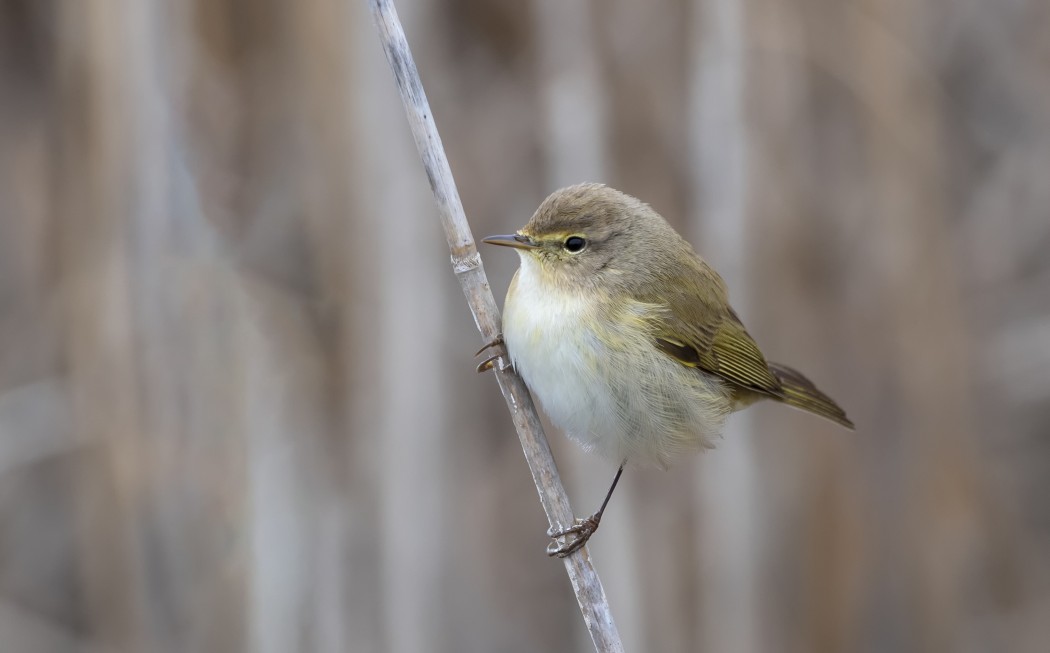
{"x": 692, "y": 322}
{"x": 700, "y": 329}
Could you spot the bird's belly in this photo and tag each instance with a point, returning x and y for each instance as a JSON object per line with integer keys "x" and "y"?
{"x": 615, "y": 395}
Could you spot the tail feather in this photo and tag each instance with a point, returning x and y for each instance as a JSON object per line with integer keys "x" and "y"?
{"x": 798, "y": 391}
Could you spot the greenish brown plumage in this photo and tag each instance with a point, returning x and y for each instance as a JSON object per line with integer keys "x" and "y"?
{"x": 633, "y": 252}
{"x": 627, "y": 337}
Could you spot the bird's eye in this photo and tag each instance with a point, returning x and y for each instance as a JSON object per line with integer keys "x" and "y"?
{"x": 575, "y": 244}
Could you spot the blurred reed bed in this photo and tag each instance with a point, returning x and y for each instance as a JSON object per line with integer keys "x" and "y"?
{"x": 237, "y": 405}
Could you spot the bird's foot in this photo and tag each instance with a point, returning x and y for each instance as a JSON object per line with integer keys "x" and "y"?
{"x": 488, "y": 363}
{"x": 580, "y": 532}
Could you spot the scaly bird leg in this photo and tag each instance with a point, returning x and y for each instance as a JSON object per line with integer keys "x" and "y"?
{"x": 582, "y": 529}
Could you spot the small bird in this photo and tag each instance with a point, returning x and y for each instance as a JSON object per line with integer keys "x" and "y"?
{"x": 627, "y": 338}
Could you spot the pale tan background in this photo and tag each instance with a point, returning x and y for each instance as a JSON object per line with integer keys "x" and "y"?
{"x": 238, "y": 410}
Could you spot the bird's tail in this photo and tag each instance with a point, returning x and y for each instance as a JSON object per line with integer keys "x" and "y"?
{"x": 798, "y": 391}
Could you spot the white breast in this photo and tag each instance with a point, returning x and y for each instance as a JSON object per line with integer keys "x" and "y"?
{"x": 644, "y": 407}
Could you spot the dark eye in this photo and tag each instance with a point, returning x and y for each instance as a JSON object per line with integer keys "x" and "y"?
{"x": 575, "y": 244}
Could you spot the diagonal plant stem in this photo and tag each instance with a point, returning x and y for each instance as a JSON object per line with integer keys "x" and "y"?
{"x": 466, "y": 263}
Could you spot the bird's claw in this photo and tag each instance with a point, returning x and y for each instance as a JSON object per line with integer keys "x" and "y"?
{"x": 581, "y": 531}
{"x": 495, "y": 342}
{"x": 489, "y": 363}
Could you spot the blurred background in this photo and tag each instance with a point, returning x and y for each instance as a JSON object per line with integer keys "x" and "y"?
{"x": 238, "y": 408}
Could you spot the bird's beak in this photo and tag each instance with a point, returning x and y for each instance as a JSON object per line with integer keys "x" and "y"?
{"x": 516, "y": 241}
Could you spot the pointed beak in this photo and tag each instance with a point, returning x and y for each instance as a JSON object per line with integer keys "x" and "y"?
{"x": 516, "y": 241}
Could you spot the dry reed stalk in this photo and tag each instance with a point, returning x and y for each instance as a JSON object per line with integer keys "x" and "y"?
{"x": 466, "y": 263}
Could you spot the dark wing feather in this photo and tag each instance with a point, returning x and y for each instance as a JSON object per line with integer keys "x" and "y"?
{"x": 704, "y": 332}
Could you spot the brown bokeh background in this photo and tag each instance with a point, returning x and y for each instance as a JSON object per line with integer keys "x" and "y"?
{"x": 238, "y": 410}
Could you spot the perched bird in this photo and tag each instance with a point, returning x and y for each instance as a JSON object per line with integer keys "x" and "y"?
{"x": 627, "y": 338}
